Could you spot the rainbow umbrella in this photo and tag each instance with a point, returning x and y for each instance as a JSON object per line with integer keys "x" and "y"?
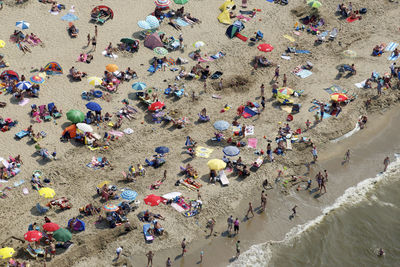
{"x": 339, "y": 97}
{"x": 47, "y": 192}
{"x": 110, "y": 207}
{"x": 37, "y": 79}
{"x": 6, "y": 253}
{"x": 286, "y": 91}
{"x": 33, "y": 236}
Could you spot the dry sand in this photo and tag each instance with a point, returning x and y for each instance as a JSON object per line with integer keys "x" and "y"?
{"x": 72, "y": 179}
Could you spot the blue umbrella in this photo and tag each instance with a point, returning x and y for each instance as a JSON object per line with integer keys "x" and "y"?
{"x": 153, "y": 22}
{"x": 129, "y": 195}
{"x": 24, "y": 85}
{"x": 221, "y": 125}
{"x": 162, "y": 150}
{"x": 144, "y": 25}
{"x": 231, "y": 151}
{"x": 22, "y": 24}
{"x": 93, "y": 106}
{"x": 69, "y": 17}
{"x": 139, "y": 86}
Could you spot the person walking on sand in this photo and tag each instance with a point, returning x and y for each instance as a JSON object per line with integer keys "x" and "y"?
{"x": 236, "y": 226}
{"x": 237, "y": 249}
{"x": 183, "y": 246}
{"x": 263, "y": 103}
{"x": 168, "y": 263}
{"x": 220, "y": 84}
{"x": 230, "y": 224}
{"x": 276, "y": 76}
{"x": 119, "y": 251}
{"x": 149, "y": 256}
{"x": 347, "y": 156}
{"x": 284, "y": 80}
{"x": 94, "y": 43}
{"x": 386, "y": 162}
{"x": 211, "y": 225}
{"x": 322, "y": 185}
{"x": 262, "y": 90}
{"x": 263, "y": 200}
{"x": 326, "y": 175}
{"x": 95, "y": 30}
{"x": 88, "y": 40}
{"x": 250, "y": 210}
{"x": 314, "y": 153}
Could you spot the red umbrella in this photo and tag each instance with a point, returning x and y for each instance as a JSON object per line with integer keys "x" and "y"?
{"x": 33, "y": 236}
{"x": 153, "y": 200}
{"x": 156, "y": 106}
{"x": 265, "y": 47}
{"x": 50, "y": 227}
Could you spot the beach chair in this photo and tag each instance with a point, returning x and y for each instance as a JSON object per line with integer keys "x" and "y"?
{"x": 21, "y": 134}
{"x": 222, "y": 178}
{"x": 50, "y": 108}
{"x": 179, "y": 93}
{"x": 35, "y": 252}
{"x": 42, "y": 210}
{"x": 147, "y": 235}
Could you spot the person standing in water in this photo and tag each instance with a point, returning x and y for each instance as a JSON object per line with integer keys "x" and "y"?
{"x": 347, "y": 156}
{"x": 386, "y": 162}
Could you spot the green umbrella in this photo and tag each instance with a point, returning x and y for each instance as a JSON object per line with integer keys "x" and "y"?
{"x": 62, "y": 235}
{"x": 127, "y": 41}
{"x": 75, "y": 116}
{"x": 181, "y": 2}
{"x": 161, "y": 51}
{"x": 314, "y": 3}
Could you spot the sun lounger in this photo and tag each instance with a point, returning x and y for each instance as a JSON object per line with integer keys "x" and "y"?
{"x": 288, "y": 144}
{"x": 222, "y": 178}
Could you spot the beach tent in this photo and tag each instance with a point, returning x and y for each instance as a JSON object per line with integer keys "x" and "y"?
{"x": 71, "y": 129}
{"x": 152, "y": 41}
{"x": 236, "y": 27}
{"x": 103, "y": 9}
{"x": 12, "y": 75}
{"x": 227, "y": 4}
{"x": 53, "y": 68}
{"x": 224, "y": 17}
{"x": 77, "y": 225}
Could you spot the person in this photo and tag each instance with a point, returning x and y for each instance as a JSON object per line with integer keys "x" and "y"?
{"x": 52, "y": 249}
{"x": 211, "y": 224}
{"x": 347, "y": 156}
{"x": 88, "y": 40}
{"x": 94, "y": 43}
{"x": 237, "y": 248}
{"x": 95, "y": 30}
{"x": 119, "y": 251}
{"x": 284, "y": 80}
{"x": 379, "y": 86}
{"x": 230, "y": 224}
{"x": 323, "y": 184}
{"x": 263, "y": 200}
{"x": 294, "y": 211}
{"x": 201, "y": 255}
{"x": 386, "y": 162}
{"x": 262, "y": 89}
{"x": 326, "y": 175}
{"x": 181, "y": 46}
{"x": 150, "y": 255}
{"x": 236, "y": 226}
{"x": 276, "y": 76}
{"x": 220, "y": 84}
{"x": 314, "y": 153}
{"x": 393, "y": 70}
{"x": 263, "y": 103}
{"x": 168, "y": 263}
{"x": 381, "y": 252}
{"x": 308, "y": 123}
{"x": 183, "y": 246}
{"x": 309, "y": 182}
{"x": 46, "y": 219}
{"x": 353, "y": 69}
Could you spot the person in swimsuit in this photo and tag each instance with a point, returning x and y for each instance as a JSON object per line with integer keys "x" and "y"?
{"x": 94, "y": 43}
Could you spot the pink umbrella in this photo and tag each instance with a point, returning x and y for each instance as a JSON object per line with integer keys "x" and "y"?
{"x": 265, "y": 47}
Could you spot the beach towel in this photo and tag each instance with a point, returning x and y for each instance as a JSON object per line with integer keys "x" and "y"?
{"x": 18, "y": 183}
{"x": 334, "y": 89}
{"x": 241, "y": 37}
{"x": 177, "y": 207}
{"x": 349, "y": 19}
{"x": 249, "y": 130}
{"x": 303, "y": 73}
{"x": 152, "y": 70}
{"x": 116, "y": 133}
{"x": 203, "y": 152}
{"x": 360, "y": 85}
{"x": 113, "y": 56}
{"x": 391, "y": 46}
{"x": 252, "y": 142}
{"x": 271, "y": 1}
{"x": 290, "y": 38}
{"x": 23, "y": 102}
{"x": 217, "y": 55}
{"x": 303, "y": 52}
{"x": 128, "y": 131}
{"x": 181, "y": 22}
{"x": 241, "y": 17}
{"x": 248, "y": 113}
{"x": 286, "y": 57}
{"x": 55, "y": 13}
{"x": 393, "y": 57}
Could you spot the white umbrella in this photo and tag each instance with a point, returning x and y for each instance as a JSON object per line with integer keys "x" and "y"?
{"x": 84, "y": 127}
{"x": 172, "y": 195}
{"x": 153, "y": 22}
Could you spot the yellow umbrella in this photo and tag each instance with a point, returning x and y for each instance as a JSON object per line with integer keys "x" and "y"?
{"x": 2, "y": 44}
{"x": 216, "y": 164}
{"x": 100, "y": 185}
{"x": 47, "y": 192}
{"x": 95, "y": 81}
{"x": 112, "y": 67}
{"x": 6, "y": 253}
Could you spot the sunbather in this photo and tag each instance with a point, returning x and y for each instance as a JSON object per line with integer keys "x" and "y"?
{"x": 77, "y": 75}
{"x": 173, "y": 24}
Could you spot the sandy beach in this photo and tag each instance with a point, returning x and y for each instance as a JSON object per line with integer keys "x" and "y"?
{"x": 71, "y": 178}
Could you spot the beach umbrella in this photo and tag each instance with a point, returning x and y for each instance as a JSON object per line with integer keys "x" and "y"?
{"x": 100, "y": 185}
{"x": 50, "y": 227}
{"x": 314, "y": 4}
{"x": 22, "y": 24}
{"x": 110, "y": 207}
{"x": 216, "y": 164}
{"x": 37, "y": 79}
{"x": 33, "y": 236}
{"x": 349, "y": 54}
{"x": 231, "y": 151}
{"x": 160, "y": 51}
{"x": 156, "y": 106}
{"x": 153, "y": 200}
{"x": 221, "y": 125}
{"x": 198, "y": 44}
{"x": 47, "y": 192}
{"x": 69, "y": 17}
{"x": 24, "y": 85}
{"x": 6, "y": 253}
{"x": 162, "y": 150}
{"x": 286, "y": 91}
{"x": 144, "y": 25}
{"x": 139, "y": 86}
{"x": 93, "y": 106}
{"x": 62, "y": 235}
{"x": 265, "y": 47}
{"x": 127, "y": 41}
{"x": 75, "y": 116}
{"x": 129, "y": 195}
{"x": 339, "y": 97}
{"x": 86, "y": 128}
{"x": 2, "y": 44}
{"x": 181, "y": 2}
{"x": 172, "y": 195}
{"x": 112, "y": 67}
{"x": 153, "y": 22}
{"x": 94, "y": 81}
{"x": 162, "y": 3}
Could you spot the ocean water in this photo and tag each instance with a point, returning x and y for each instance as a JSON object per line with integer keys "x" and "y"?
{"x": 348, "y": 233}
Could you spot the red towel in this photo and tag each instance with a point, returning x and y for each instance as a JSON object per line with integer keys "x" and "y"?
{"x": 351, "y": 20}
{"x": 241, "y": 37}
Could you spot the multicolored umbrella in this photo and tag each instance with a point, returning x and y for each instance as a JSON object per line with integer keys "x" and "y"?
{"x": 75, "y": 116}
{"x": 156, "y": 106}
{"x": 47, "y": 192}
{"x": 198, "y": 44}
{"x": 93, "y": 106}
{"x": 162, "y": 150}
{"x": 160, "y": 51}
{"x": 286, "y": 91}
{"x": 62, "y": 235}
{"x": 231, "y": 151}
{"x": 50, "y": 227}
{"x": 129, "y": 195}
{"x": 22, "y": 24}
{"x": 314, "y": 4}
{"x": 6, "y": 253}
{"x": 24, "y": 85}
{"x": 86, "y": 128}
{"x": 162, "y": 3}
{"x": 95, "y": 81}
{"x": 221, "y": 125}
{"x": 111, "y": 67}
{"x": 181, "y": 2}
{"x": 110, "y": 207}
{"x": 37, "y": 79}
{"x": 33, "y": 236}
{"x": 139, "y": 86}
{"x": 265, "y": 47}
{"x": 339, "y": 97}
{"x": 153, "y": 22}
{"x": 153, "y": 200}
{"x": 216, "y": 164}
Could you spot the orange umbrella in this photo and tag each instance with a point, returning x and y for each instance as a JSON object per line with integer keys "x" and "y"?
{"x": 112, "y": 67}
{"x": 339, "y": 97}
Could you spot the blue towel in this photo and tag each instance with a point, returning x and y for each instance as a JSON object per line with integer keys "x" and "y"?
{"x": 391, "y": 46}
{"x": 303, "y": 52}
{"x": 181, "y": 22}
{"x": 152, "y": 70}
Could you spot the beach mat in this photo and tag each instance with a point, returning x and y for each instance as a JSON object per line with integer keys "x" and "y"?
{"x": 290, "y": 38}
{"x": 391, "y": 46}
{"x": 252, "y": 142}
{"x": 203, "y": 152}
{"x": 303, "y": 73}
{"x": 181, "y": 22}
{"x": 303, "y": 52}
{"x": 334, "y": 89}
{"x": 270, "y": 1}
{"x": 241, "y": 37}
{"x": 248, "y": 113}
{"x": 249, "y": 130}
{"x": 349, "y": 20}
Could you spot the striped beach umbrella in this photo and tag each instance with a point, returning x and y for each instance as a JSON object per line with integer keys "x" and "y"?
{"x": 162, "y": 3}
{"x": 139, "y": 86}
{"x": 24, "y": 85}
{"x": 286, "y": 91}
{"x": 37, "y": 79}
{"x": 22, "y": 24}
{"x": 160, "y": 51}
{"x": 129, "y": 195}
{"x": 144, "y": 25}
{"x": 94, "y": 81}
{"x": 153, "y": 22}
{"x": 110, "y": 207}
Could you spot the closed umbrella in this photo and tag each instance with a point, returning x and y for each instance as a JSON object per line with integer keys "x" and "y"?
{"x": 110, "y": 207}
{"x": 62, "y": 235}
{"x": 162, "y": 150}
{"x": 47, "y": 192}
{"x": 153, "y": 22}
{"x": 86, "y": 128}
{"x": 75, "y": 116}
{"x": 24, "y": 85}
{"x": 144, "y": 25}
{"x": 339, "y": 97}
{"x": 314, "y": 4}
{"x": 181, "y": 2}
{"x": 94, "y": 81}
{"x": 216, "y": 164}
{"x": 6, "y": 253}
{"x": 93, "y": 106}
{"x": 160, "y": 51}
{"x": 221, "y": 125}
{"x": 265, "y": 47}
{"x": 231, "y": 151}
{"x": 198, "y": 44}
{"x": 139, "y": 86}
{"x": 50, "y": 227}
{"x": 129, "y": 195}
{"x": 112, "y": 67}
{"x": 37, "y": 79}
{"x": 22, "y": 24}
{"x": 33, "y": 236}
{"x": 156, "y": 106}
{"x": 153, "y": 200}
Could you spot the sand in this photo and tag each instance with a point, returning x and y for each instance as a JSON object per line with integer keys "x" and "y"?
{"x": 71, "y": 178}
